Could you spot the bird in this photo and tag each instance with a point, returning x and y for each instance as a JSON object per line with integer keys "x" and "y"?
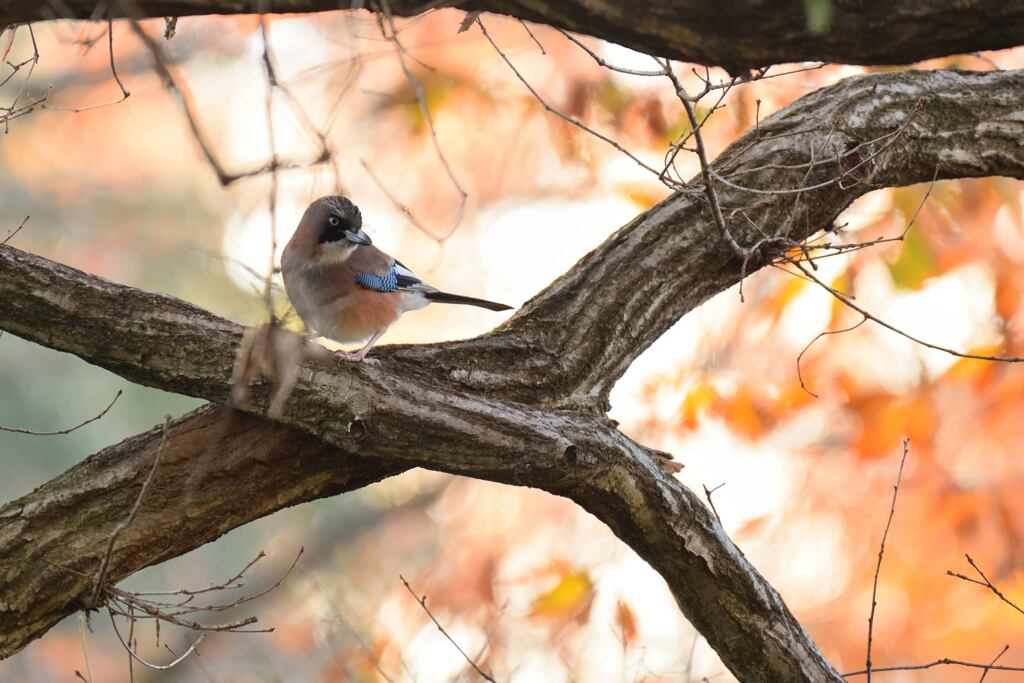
{"x": 346, "y": 289}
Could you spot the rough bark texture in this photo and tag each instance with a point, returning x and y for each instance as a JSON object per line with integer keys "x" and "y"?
{"x": 219, "y": 469}
{"x": 736, "y": 34}
{"x": 522, "y": 405}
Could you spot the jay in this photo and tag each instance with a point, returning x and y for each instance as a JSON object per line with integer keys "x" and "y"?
{"x": 346, "y": 289}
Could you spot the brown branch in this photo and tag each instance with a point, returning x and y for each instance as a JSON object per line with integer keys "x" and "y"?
{"x": 881, "y": 554}
{"x": 406, "y": 414}
{"x": 125, "y": 93}
{"x": 984, "y": 582}
{"x": 423, "y": 603}
{"x": 738, "y": 36}
{"x": 387, "y": 29}
{"x": 184, "y": 99}
{"x": 264, "y": 467}
{"x": 847, "y": 301}
{"x": 988, "y": 668}
{"x": 18, "y": 430}
{"x": 945, "y": 661}
{"x": 532, "y": 419}
{"x": 101, "y": 575}
{"x": 800, "y": 356}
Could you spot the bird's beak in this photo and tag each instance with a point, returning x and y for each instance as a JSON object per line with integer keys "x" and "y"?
{"x": 358, "y": 237}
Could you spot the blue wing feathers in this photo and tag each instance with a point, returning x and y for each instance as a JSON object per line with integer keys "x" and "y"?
{"x": 378, "y": 283}
{"x": 399, "y": 278}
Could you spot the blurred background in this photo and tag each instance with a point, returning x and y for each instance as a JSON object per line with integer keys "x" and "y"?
{"x": 530, "y": 586}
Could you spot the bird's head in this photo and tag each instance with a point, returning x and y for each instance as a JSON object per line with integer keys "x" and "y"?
{"x": 333, "y": 228}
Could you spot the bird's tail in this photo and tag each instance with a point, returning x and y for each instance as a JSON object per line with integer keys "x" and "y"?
{"x": 446, "y": 298}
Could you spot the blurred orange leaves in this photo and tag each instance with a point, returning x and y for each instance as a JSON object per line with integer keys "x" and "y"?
{"x": 886, "y": 419}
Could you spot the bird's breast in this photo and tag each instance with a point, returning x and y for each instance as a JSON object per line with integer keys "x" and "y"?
{"x": 337, "y": 307}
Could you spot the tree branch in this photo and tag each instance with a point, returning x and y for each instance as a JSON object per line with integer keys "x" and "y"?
{"x": 402, "y": 413}
{"x": 736, "y": 35}
{"x": 522, "y": 404}
{"x": 219, "y": 470}
{"x": 569, "y": 345}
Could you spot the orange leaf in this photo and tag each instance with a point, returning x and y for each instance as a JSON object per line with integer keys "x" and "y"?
{"x": 626, "y": 621}
{"x": 742, "y": 416}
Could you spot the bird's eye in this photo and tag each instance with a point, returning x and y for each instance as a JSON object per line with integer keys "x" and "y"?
{"x": 333, "y": 221}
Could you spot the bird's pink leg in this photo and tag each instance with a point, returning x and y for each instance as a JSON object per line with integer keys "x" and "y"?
{"x": 360, "y": 355}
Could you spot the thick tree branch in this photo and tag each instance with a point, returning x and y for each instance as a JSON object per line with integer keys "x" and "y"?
{"x": 570, "y": 344}
{"x": 737, "y": 35}
{"x": 219, "y": 470}
{"x": 501, "y": 407}
{"x": 403, "y": 413}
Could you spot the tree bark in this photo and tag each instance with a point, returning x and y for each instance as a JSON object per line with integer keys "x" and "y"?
{"x": 736, "y": 34}
{"x": 219, "y": 469}
{"x": 522, "y": 405}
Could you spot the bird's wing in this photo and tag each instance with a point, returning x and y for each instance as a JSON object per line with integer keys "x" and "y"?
{"x": 379, "y": 272}
{"x": 408, "y": 281}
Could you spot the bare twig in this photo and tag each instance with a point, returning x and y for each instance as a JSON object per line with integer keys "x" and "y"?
{"x": 707, "y": 494}
{"x": 15, "y": 231}
{"x": 847, "y": 300}
{"x": 403, "y": 208}
{"x": 984, "y": 582}
{"x": 387, "y": 27}
{"x": 938, "y": 662}
{"x": 18, "y": 430}
{"x": 125, "y": 93}
{"x": 101, "y": 576}
{"x": 160, "y": 667}
{"x": 611, "y": 67}
{"x": 702, "y": 156}
{"x": 568, "y": 119}
{"x": 268, "y": 291}
{"x": 423, "y": 603}
{"x": 126, "y": 603}
{"x": 989, "y": 667}
{"x": 85, "y": 651}
{"x": 881, "y": 554}
{"x": 14, "y": 110}
{"x": 799, "y": 358}
{"x": 370, "y": 654}
{"x": 183, "y": 97}
{"x": 532, "y": 37}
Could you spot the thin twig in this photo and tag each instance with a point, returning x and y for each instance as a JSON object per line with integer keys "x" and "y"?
{"x": 151, "y": 665}
{"x": 125, "y": 93}
{"x": 385, "y": 18}
{"x": 547, "y": 107}
{"x": 268, "y": 299}
{"x": 881, "y": 554}
{"x": 15, "y": 231}
{"x": 601, "y": 61}
{"x": 938, "y": 662}
{"x": 370, "y": 654}
{"x": 533, "y": 37}
{"x": 101, "y": 576}
{"x": 183, "y": 97}
{"x": 847, "y": 300}
{"x": 989, "y": 667}
{"x": 85, "y": 651}
{"x": 707, "y": 494}
{"x": 423, "y": 603}
{"x": 18, "y": 430}
{"x": 799, "y": 358}
{"x": 985, "y": 582}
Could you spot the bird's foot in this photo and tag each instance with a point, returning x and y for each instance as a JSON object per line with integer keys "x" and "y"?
{"x": 357, "y": 357}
